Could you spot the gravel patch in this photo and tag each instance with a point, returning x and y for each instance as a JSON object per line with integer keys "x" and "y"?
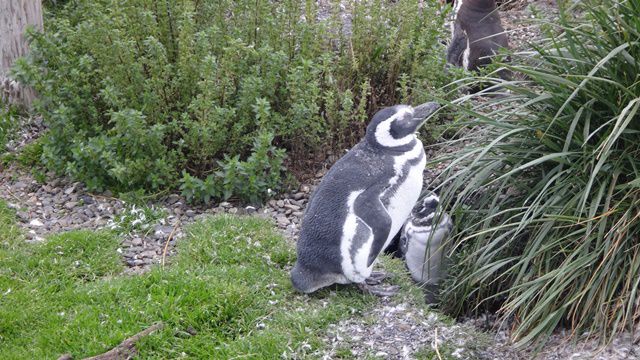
{"x": 396, "y": 329}
{"x": 59, "y": 205}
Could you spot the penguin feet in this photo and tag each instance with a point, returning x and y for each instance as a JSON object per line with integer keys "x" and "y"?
{"x": 376, "y": 278}
{"x": 373, "y": 285}
{"x": 431, "y": 294}
{"x": 380, "y": 291}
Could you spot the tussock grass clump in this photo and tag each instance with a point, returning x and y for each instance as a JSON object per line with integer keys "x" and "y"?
{"x": 547, "y": 194}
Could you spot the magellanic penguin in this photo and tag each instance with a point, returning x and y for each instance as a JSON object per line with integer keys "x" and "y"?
{"x": 422, "y": 242}
{"x": 476, "y": 34}
{"x": 362, "y": 201}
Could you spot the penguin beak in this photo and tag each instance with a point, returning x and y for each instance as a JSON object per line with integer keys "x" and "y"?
{"x": 424, "y": 111}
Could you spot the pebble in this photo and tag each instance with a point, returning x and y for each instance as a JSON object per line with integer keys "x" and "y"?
{"x": 70, "y": 205}
{"x": 162, "y": 231}
{"x": 36, "y": 222}
{"x": 24, "y": 216}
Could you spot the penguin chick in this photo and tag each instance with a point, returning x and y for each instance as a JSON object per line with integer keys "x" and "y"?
{"x": 476, "y": 35}
{"x": 421, "y": 243}
{"x": 362, "y": 202}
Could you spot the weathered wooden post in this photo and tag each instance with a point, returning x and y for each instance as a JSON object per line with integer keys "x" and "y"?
{"x": 15, "y": 15}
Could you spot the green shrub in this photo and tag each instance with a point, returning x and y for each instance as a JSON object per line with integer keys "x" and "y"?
{"x": 547, "y": 195}
{"x": 251, "y": 180}
{"x": 8, "y": 120}
{"x": 135, "y": 92}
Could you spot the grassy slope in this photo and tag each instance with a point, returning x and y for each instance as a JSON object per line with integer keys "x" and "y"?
{"x": 229, "y": 286}
{"x": 226, "y": 294}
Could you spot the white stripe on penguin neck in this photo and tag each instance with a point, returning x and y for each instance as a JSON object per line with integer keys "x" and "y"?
{"x": 383, "y": 130}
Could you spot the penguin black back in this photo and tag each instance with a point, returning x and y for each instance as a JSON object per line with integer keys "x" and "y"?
{"x": 477, "y": 34}
{"x": 362, "y": 201}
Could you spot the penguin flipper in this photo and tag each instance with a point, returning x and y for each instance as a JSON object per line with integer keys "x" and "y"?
{"x": 373, "y": 213}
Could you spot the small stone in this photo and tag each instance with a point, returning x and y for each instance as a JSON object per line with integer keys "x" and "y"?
{"x": 280, "y": 203}
{"x": 172, "y": 199}
{"x": 70, "y": 205}
{"x": 292, "y": 207}
{"x": 20, "y": 185}
{"x": 70, "y": 190}
{"x": 305, "y": 189}
{"x": 23, "y": 215}
{"x": 162, "y": 231}
{"x": 177, "y": 211}
{"x": 190, "y": 213}
{"x": 282, "y": 221}
{"x": 87, "y": 200}
{"x": 136, "y": 241}
{"x": 251, "y": 210}
{"x": 47, "y": 211}
{"x": 298, "y": 195}
{"x": 233, "y": 210}
{"x": 148, "y": 254}
{"x": 36, "y": 222}
{"x": 225, "y": 204}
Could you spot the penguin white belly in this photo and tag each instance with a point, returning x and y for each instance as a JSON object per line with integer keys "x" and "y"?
{"x": 424, "y": 254}
{"x": 407, "y": 193}
{"x": 355, "y": 267}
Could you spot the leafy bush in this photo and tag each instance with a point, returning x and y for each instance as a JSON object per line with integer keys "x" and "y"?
{"x": 137, "y": 91}
{"x": 8, "y": 120}
{"x": 547, "y": 195}
{"x": 251, "y": 180}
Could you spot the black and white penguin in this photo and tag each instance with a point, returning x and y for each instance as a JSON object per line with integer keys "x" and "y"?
{"x": 363, "y": 201}
{"x": 476, "y": 34}
{"x": 421, "y": 242}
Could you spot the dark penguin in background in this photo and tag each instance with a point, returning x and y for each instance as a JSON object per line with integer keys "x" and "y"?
{"x": 362, "y": 202}
{"x": 422, "y": 243}
{"x": 476, "y": 34}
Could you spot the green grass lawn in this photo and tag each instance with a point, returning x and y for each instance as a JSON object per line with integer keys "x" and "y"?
{"x": 225, "y": 294}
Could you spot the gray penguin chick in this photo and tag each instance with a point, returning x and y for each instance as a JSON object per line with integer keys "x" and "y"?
{"x": 362, "y": 202}
{"x": 421, "y": 242}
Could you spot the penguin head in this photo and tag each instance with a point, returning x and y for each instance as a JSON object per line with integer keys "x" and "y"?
{"x": 395, "y": 126}
{"x": 426, "y": 206}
